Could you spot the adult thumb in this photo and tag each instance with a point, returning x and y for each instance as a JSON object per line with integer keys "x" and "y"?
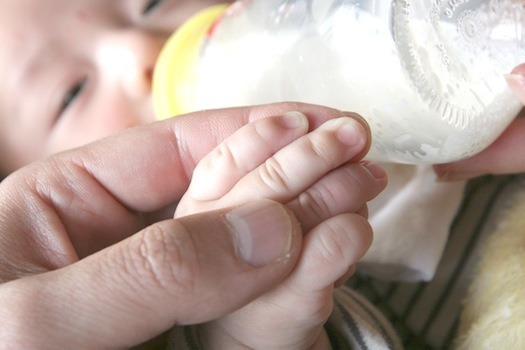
{"x": 176, "y": 272}
{"x": 516, "y": 82}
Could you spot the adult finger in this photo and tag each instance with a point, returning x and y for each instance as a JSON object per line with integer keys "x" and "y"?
{"x": 516, "y": 81}
{"x": 504, "y": 156}
{"x": 175, "y": 272}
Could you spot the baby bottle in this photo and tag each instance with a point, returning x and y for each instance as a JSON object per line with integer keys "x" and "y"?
{"x": 427, "y": 75}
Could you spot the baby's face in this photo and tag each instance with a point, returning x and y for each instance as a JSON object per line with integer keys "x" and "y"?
{"x": 77, "y": 70}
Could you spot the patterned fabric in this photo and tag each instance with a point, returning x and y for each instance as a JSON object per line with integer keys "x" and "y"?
{"x": 425, "y": 315}
{"x": 357, "y": 324}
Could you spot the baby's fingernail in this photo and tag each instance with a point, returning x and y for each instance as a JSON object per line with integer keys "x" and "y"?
{"x": 263, "y": 232}
{"x": 294, "y": 120}
{"x": 357, "y": 117}
{"x": 450, "y": 176}
{"x": 349, "y": 131}
{"x": 375, "y": 169}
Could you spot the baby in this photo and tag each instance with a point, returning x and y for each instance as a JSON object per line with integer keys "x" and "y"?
{"x": 77, "y": 71}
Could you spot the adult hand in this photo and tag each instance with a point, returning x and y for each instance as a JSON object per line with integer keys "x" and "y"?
{"x": 80, "y": 267}
{"x": 175, "y": 272}
{"x": 505, "y": 155}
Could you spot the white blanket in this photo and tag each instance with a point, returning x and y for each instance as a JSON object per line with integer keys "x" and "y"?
{"x": 411, "y": 221}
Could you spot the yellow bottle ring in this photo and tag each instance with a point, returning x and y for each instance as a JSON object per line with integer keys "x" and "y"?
{"x": 175, "y": 69}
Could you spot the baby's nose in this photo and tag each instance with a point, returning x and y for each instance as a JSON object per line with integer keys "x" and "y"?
{"x": 130, "y": 56}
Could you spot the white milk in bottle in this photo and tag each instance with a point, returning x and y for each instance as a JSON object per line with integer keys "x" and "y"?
{"x": 428, "y": 76}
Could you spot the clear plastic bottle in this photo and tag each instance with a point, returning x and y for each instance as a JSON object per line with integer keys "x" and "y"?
{"x": 428, "y": 75}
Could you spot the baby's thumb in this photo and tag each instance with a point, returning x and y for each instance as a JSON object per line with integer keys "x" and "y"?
{"x": 176, "y": 272}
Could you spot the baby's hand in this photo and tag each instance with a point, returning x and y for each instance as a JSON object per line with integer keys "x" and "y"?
{"x": 319, "y": 176}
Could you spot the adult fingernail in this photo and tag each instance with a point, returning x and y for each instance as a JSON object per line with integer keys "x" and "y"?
{"x": 262, "y": 231}
{"x": 516, "y": 83}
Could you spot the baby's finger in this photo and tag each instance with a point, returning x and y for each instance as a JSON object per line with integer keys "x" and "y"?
{"x": 299, "y": 165}
{"x": 329, "y": 251}
{"x": 242, "y": 152}
{"x": 363, "y": 211}
{"x": 344, "y": 190}
{"x": 342, "y": 280}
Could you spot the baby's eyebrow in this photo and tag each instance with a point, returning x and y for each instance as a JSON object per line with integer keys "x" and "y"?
{"x": 35, "y": 61}
{"x": 33, "y": 80}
